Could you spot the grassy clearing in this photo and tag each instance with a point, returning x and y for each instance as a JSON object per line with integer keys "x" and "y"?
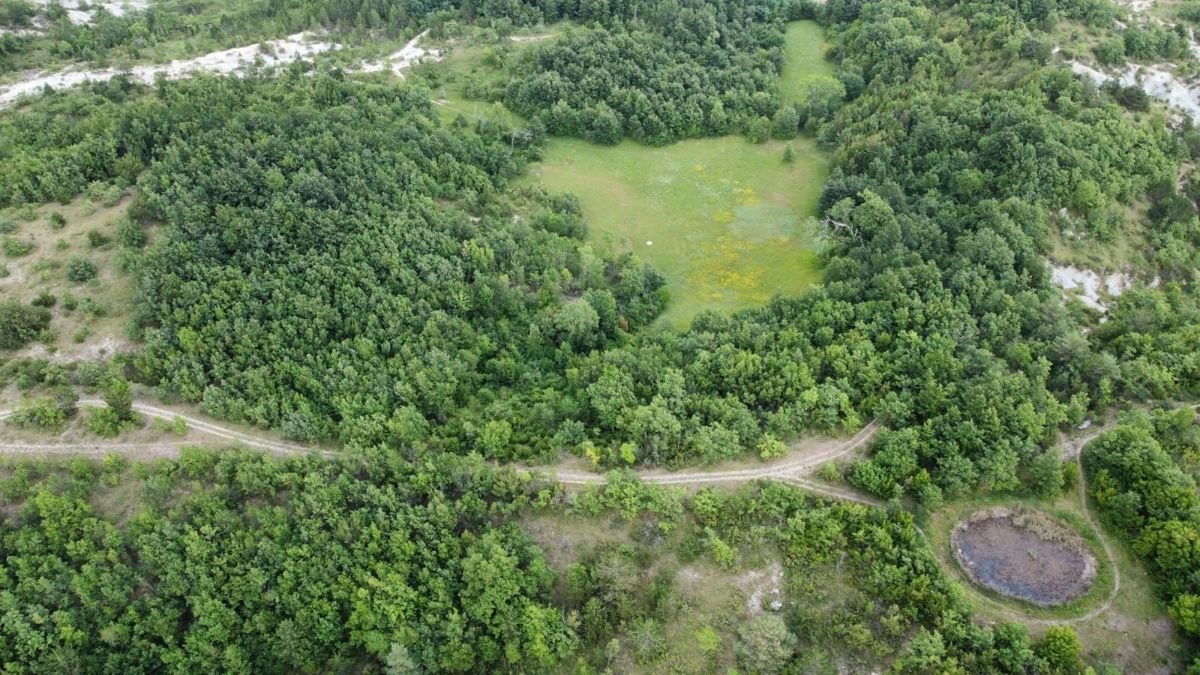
{"x": 450, "y": 105}
{"x": 1124, "y": 252}
{"x": 1134, "y": 633}
{"x": 723, "y": 220}
{"x": 89, "y": 318}
{"x": 803, "y": 58}
{"x": 479, "y": 58}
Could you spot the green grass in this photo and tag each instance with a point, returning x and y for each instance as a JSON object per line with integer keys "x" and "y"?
{"x": 723, "y": 220}
{"x": 1124, "y": 252}
{"x": 803, "y": 58}
{"x": 450, "y": 105}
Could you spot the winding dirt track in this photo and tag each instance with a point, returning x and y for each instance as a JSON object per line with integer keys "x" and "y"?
{"x": 792, "y": 469}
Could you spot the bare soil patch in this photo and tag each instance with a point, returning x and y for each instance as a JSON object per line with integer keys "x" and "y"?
{"x": 1025, "y": 555}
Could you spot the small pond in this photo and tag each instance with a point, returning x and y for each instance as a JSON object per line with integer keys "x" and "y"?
{"x": 1024, "y": 555}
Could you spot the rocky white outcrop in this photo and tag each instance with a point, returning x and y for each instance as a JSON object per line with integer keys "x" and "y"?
{"x": 229, "y": 61}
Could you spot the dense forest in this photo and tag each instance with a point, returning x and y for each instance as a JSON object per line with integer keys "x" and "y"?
{"x": 329, "y": 257}
{"x": 937, "y": 315}
{"x": 262, "y": 567}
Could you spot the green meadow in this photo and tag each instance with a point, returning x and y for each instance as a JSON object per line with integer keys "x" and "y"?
{"x": 725, "y": 221}
{"x": 722, "y": 219}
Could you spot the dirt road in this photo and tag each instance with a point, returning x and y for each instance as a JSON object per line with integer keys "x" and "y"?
{"x": 165, "y": 448}
{"x": 793, "y": 469}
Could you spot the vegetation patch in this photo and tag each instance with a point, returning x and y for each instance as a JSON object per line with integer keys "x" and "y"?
{"x": 72, "y": 277}
{"x": 1024, "y": 555}
{"x": 723, "y": 220}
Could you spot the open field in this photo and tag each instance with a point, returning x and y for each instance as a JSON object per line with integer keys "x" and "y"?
{"x": 722, "y": 219}
{"x": 803, "y": 58}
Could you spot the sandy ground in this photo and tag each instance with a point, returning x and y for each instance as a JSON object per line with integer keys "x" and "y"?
{"x": 1159, "y": 80}
{"x": 84, "y": 17}
{"x": 234, "y": 61}
{"x": 229, "y": 61}
{"x": 410, "y": 54}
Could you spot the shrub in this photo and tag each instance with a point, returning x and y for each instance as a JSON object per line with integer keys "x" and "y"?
{"x": 1046, "y": 477}
{"x": 15, "y": 248}
{"x": 20, "y": 324}
{"x": 80, "y": 269}
{"x": 770, "y": 448}
{"x": 1061, "y": 650}
{"x": 130, "y": 234}
{"x": 102, "y": 422}
{"x": 42, "y": 413}
{"x": 57, "y": 220}
{"x": 96, "y": 238}
{"x": 107, "y": 423}
{"x": 93, "y": 308}
{"x": 764, "y": 644}
{"x": 111, "y": 196}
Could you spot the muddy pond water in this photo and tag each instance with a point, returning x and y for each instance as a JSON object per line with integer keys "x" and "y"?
{"x": 1023, "y": 555}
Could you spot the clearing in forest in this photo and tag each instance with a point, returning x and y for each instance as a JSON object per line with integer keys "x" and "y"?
{"x": 803, "y": 58}
{"x": 1122, "y": 623}
{"x": 725, "y": 221}
{"x": 722, "y": 219}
